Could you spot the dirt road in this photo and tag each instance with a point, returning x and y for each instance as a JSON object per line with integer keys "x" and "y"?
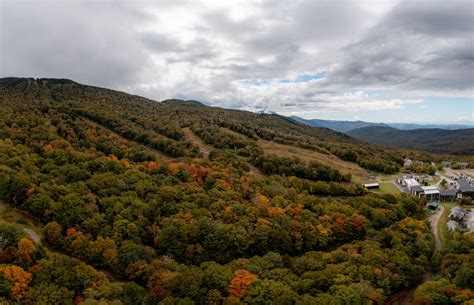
{"x": 434, "y": 221}
{"x": 33, "y": 235}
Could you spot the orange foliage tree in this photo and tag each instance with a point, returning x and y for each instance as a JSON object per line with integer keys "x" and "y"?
{"x": 19, "y": 279}
{"x": 240, "y": 282}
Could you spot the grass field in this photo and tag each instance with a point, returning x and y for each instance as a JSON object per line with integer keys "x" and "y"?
{"x": 442, "y": 228}
{"x": 388, "y": 188}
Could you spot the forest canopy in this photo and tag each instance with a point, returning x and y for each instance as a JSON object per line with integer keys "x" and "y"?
{"x": 134, "y": 210}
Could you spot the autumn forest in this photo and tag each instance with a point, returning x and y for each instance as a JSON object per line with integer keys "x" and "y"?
{"x": 174, "y": 202}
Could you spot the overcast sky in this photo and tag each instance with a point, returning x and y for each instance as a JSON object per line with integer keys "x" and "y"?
{"x": 377, "y": 60}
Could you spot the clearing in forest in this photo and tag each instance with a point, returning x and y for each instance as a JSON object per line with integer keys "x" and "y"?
{"x": 311, "y": 155}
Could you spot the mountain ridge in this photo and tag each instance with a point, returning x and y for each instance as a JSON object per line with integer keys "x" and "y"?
{"x": 346, "y": 126}
{"x": 436, "y": 140}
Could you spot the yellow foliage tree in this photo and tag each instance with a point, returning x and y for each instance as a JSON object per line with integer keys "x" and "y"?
{"x": 26, "y": 248}
{"x": 19, "y": 279}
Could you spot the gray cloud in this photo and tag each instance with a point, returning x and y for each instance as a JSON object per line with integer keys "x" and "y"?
{"x": 419, "y": 46}
{"x": 87, "y": 41}
{"x": 243, "y": 54}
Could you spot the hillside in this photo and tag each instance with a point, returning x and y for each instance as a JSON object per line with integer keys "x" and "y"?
{"x": 458, "y": 142}
{"x": 141, "y": 202}
{"x": 341, "y": 126}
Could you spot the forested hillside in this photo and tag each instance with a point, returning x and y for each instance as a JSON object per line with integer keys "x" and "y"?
{"x": 141, "y": 202}
{"x": 458, "y": 142}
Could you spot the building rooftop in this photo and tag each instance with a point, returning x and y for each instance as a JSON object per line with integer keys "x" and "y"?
{"x": 411, "y": 182}
{"x": 448, "y": 192}
{"x": 429, "y": 188}
{"x": 431, "y": 192}
{"x": 417, "y": 188}
{"x": 465, "y": 185}
{"x": 374, "y": 184}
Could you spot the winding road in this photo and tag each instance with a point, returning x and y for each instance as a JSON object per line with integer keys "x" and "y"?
{"x": 32, "y": 234}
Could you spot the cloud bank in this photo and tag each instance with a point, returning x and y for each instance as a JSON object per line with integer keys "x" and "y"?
{"x": 286, "y": 56}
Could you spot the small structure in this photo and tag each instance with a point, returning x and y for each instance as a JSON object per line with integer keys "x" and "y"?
{"x": 447, "y": 195}
{"x": 408, "y": 162}
{"x": 446, "y": 164}
{"x": 371, "y": 186}
{"x": 463, "y": 165}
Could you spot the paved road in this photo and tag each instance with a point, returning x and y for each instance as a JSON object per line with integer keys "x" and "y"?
{"x": 434, "y": 220}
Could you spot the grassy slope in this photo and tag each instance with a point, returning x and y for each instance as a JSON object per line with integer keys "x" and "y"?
{"x": 389, "y": 188}
{"x": 309, "y": 155}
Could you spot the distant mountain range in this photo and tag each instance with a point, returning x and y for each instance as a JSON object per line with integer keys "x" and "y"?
{"x": 346, "y": 126}
{"x": 341, "y": 126}
{"x": 452, "y": 139}
{"x": 408, "y": 126}
{"x": 436, "y": 140}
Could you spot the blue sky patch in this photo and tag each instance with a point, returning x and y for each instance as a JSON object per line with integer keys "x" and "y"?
{"x": 304, "y": 78}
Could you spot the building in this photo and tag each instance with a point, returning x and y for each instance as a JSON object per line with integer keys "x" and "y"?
{"x": 465, "y": 188}
{"x": 416, "y": 191}
{"x": 410, "y": 182}
{"x": 431, "y": 195}
{"x": 447, "y": 195}
{"x": 446, "y": 163}
{"x": 463, "y": 165}
{"x": 371, "y": 186}
{"x": 408, "y": 162}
